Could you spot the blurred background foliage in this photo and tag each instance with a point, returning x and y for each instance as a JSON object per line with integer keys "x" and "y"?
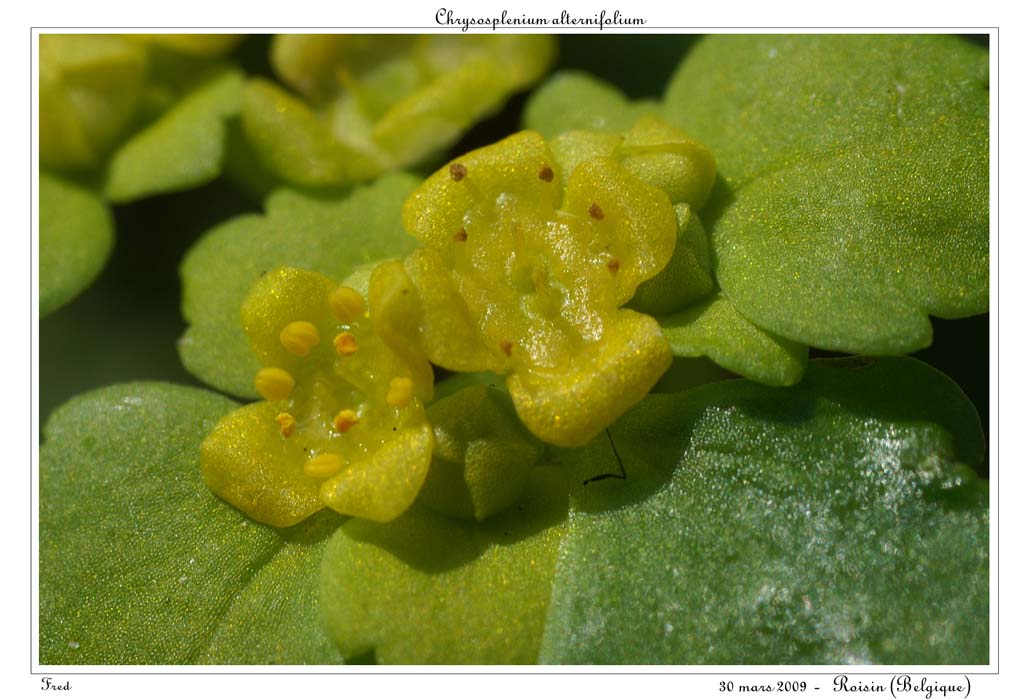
{"x": 126, "y": 325}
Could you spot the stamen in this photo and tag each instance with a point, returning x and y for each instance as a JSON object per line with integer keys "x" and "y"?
{"x": 287, "y": 424}
{"x": 457, "y": 172}
{"x": 596, "y": 212}
{"x": 461, "y": 236}
{"x": 506, "y": 346}
{"x": 613, "y": 266}
{"x": 274, "y": 384}
{"x": 546, "y": 174}
{"x": 401, "y": 391}
{"x": 345, "y": 344}
{"x": 345, "y": 420}
{"x": 299, "y": 337}
{"x": 347, "y": 304}
{"x": 324, "y": 465}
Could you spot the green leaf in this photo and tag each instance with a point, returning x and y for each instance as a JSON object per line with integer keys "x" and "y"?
{"x": 332, "y": 237}
{"x": 834, "y": 522}
{"x": 713, "y": 328}
{"x": 184, "y": 148}
{"x": 276, "y": 619}
{"x": 425, "y": 589}
{"x": 855, "y": 198}
{"x": 76, "y": 235}
{"x": 570, "y": 100}
{"x": 141, "y": 564}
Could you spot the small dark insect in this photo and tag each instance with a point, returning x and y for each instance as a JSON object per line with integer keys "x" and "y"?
{"x": 621, "y": 467}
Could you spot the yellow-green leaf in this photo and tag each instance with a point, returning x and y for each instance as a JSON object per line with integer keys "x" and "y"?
{"x": 184, "y": 148}
{"x": 76, "y": 235}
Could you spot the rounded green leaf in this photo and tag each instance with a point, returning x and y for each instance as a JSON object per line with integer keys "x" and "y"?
{"x": 76, "y": 235}
{"x": 139, "y": 563}
{"x": 714, "y": 328}
{"x": 426, "y": 589}
{"x": 855, "y": 199}
{"x": 571, "y": 100}
{"x": 332, "y": 237}
{"x": 184, "y": 148}
{"x": 838, "y": 521}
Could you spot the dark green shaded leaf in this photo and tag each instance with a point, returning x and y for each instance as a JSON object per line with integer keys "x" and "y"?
{"x": 75, "y": 238}
{"x": 141, "y": 564}
{"x": 687, "y": 276}
{"x": 855, "y": 199}
{"x": 332, "y": 237}
{"x": 834, "y": 522}
{"x": 483, "y": 454}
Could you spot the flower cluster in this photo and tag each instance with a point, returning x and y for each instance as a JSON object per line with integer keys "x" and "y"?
{"x": 530, "y": 253}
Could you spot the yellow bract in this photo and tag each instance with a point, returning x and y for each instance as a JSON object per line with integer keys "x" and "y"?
{"x": 373, "y": 103}
{"x": 344, "y": 428}
{"x": 90, "y": 88}
{"x": 653, "y": 151}
{"x": 524, "y": 272}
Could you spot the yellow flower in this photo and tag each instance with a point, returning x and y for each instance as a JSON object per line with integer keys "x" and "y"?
{"x": 525, "y": 270}
{"x": 343, "y": 423}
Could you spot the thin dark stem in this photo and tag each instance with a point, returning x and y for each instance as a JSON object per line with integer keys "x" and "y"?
{"x": 621, "y": 467}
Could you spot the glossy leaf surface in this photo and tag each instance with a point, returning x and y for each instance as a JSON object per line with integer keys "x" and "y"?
{"x": 834, "y": 522}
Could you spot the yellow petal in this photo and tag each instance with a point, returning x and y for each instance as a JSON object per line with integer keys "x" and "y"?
{"x": 663, "y": 156}
{"x": 570, "y": 408}
{"x": 385, "y": 484}
{"x": 246, "y": 462}
{"x": 277, "y": 300}
{"x": 637, "y": 219}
